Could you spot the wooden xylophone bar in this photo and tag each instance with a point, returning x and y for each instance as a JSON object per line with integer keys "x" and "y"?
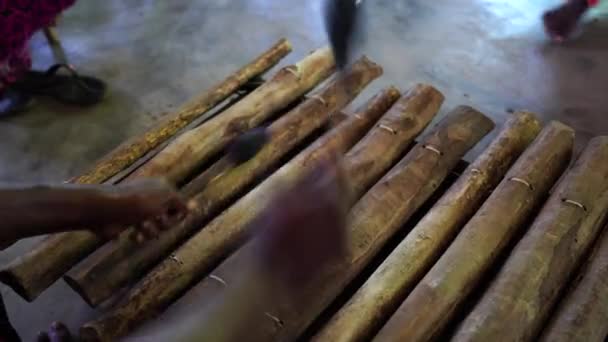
{"x": 438, "y": 249}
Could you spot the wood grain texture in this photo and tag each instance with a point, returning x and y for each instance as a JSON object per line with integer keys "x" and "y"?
{"x": 373, "y": 220}
{"x": 32, "y": 273}
{"x": 136, "y": 147}
{"x": 222, "y": 235}
{"x": 434, "y": 301}
{"x": 196, "y": 146}
{"x": 582, "y": 314}
{"x": 370, "y": 307}
{"x": 123, "y": 261}
{"x": 521, "y": 296}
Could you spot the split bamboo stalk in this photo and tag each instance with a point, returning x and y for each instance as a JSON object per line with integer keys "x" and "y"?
{"x": 388, "y": 286}
{"x": 373, "y": 220}
{"x": 521, "y": 296}
{"x": 121, "y": 261}
{"x": 32, "y": 273}
{"x": 195, "y": 147}
{"x": 582, "y": 315}
{"x": 367, "y": 161}
{"x": 227, "y": 231}
{"x": 135, "y": 148}
{"x": 434, "y": 301}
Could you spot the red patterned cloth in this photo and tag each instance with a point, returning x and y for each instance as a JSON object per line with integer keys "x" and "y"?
{"x": 593, "y": 2}
{"x": 19, "y": 20}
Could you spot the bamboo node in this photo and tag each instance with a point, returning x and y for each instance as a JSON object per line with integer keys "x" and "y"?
{"x": 386, "y": 128}
{"x": 433, "y": 148}
{"x": 522, "y": 181}
{"x": 218, "y": 279}
{"x": 174, "y": 258}
{"x": 574, "y": 203}
{"x": 277, "y": 321}
{"x": 319, "y": 98}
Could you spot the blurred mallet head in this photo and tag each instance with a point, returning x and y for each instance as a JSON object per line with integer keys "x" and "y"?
{"x": 304, "y": 225}
{"x": 341, "y": 20}
{"x": 247, "y": 145}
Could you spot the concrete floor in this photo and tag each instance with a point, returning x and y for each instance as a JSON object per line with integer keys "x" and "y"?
{"x": 490, "y": 54}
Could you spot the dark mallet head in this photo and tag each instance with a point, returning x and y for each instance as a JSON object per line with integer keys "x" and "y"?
{"x": 247, "y": 145}
{"x": 341, "y": 23}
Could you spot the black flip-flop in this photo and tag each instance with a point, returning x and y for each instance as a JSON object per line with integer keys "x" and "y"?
{"x": 73, "y": 89}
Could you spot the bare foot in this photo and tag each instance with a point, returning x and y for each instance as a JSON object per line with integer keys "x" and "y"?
{"x": 58, "y": 332}
{"x": 561, "y": 22}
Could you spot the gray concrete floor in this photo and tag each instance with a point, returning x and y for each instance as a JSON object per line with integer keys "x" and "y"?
{"x": 490, "y": 54}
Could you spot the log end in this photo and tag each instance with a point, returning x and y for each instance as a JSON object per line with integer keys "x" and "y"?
{"x": 284, "y": 44}
{"x": 527, "y": 118}
{"x": 89, "y": 334}
{"x": 391, "y": 92}
{"x": 75, "y": 285}
{"x": 369, "y": 63}
{"x": 529, "y": 124}
{"x": 10, "y": 278}
{"x": 421, "y": 88}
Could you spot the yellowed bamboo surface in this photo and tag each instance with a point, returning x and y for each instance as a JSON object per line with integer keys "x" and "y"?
{"x": 512, "y": 246}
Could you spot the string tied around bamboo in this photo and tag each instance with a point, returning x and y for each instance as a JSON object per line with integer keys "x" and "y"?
{"x": 575, "y": 203}
{"x": 277, "y": 321}
{"x": 433, "y": 149}
{"x": 319, "y": 98}
{"x": 522, "y": 181}
{"x": 387, "y": 128}
{"x": 218, "y": 279}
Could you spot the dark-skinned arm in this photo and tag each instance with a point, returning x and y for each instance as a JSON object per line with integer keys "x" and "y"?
{"x": 27, "y": 211}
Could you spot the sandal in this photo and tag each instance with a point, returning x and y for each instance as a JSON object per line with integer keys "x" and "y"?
{"x": 72, "y": 89}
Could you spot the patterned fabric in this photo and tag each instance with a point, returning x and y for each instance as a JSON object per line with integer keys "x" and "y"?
{"x": 593, "y": 2}
{"x": 19, "y": 20}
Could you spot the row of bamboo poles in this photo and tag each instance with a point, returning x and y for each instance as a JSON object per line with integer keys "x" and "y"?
{"x": 512, "y": 250}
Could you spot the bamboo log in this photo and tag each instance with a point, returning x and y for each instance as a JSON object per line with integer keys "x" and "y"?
{"x": 311, "y": 213}
{"x": 42, "y": 266}
{"x": 519, "y": 299}
{"x": 120, "y": 262}
{"x": 133, "y": 149}
{"x": 228, "y": 230}
{"x": 433, "y": 302}
{"x": 195, "y": 147}
{"x": 582, "y": 315}
{"x": 388, "y": 286}
{"x": 363, "y": 164}
{"x": 373, "y": 220}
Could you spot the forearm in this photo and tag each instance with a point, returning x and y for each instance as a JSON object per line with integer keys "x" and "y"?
{"x": 37, "y": 210}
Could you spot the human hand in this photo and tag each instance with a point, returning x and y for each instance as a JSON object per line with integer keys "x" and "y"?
{"x": 152, "y": 206}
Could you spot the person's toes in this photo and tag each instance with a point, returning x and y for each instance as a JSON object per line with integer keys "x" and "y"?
{"x": 59, "y": 333}
{"x": 43, "y": 337}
